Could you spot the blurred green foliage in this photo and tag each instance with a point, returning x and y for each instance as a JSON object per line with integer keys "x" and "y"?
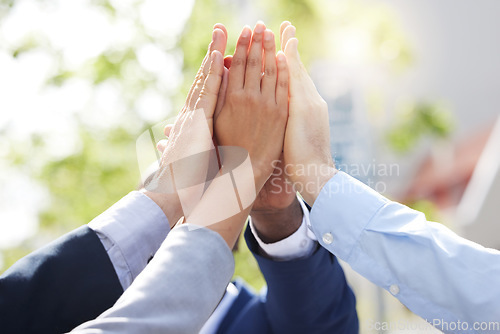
{"x": 429, "y": 209}
{"x": 417, "y": 121}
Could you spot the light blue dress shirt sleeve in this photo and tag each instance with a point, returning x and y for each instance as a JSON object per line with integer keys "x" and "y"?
{"x": 451, "y": 282}
{"x": 178, "y": 290}
{"x": 131, "y": 231}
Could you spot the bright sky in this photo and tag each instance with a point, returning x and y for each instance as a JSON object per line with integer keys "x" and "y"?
{"x": 81, "y": 32}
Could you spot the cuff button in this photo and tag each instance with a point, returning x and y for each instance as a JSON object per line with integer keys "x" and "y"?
{"x": 327, "y": 238}
{"x": 394, "y": 289}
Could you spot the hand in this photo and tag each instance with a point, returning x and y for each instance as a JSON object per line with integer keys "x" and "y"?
{"x": 255, "y": 111}
{"x": 190, "y": 136}
{"x": 307, "y": 156}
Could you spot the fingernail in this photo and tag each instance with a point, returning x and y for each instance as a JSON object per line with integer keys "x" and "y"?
{"x": 246, "y": 32}
{"x": 280, "y": 56}
{"x": 268, "y": 35}
{"x": 260, "y": 27}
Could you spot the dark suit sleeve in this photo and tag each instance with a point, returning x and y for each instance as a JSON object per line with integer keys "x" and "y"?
{"x": 59, "y": 286}
{"x": 308, "y": 295}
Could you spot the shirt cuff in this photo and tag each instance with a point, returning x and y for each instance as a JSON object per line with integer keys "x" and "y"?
{"x": 352, "y": 204}
{"x": 300, "y": 244}
{"x": 131, "y": 231}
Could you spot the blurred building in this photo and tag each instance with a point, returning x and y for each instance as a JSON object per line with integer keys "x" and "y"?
{"x": 463, "y": 180}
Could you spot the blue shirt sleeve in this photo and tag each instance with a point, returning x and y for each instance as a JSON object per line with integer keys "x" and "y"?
{"x": 445, "y": 279}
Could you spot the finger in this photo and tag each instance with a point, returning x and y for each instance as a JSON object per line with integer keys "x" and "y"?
{"x": 208, "y": 95}
{"x": 288, "y": 33}
{"x": 227, "y": 61}
{"x": 292, "y": 54}
{"x": 223, "y": 28}
{"x": 219, "y": 42}
{"x": 303, "y": 85}
{"x": 221, "y": 99}
{"x": 239, "y": 61}
{"x": 254, "y": 60}
{"x": 162, "y": 145}
{"x": 284, "y": 24}
{"x": 167, "y": 129}
{"x": 200, "y": 70}
{"x": 282, "y": 82}
{"x": 269, "y": 79}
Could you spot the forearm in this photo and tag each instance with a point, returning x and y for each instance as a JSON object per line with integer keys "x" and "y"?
{"x": 226, "y": 204}
{"x": 168, "y": 203}
{"x": 170, "y": 296}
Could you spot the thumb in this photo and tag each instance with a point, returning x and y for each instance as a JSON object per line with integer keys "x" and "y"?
{"x": 167, "y": 129}
{"x": 162, "y": 145}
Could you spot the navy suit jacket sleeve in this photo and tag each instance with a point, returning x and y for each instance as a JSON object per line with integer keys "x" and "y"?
{"x": 308, "y": 295}
{"x": 59, "y": 286}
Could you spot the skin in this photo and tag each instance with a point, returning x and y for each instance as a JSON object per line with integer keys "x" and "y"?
{"x": 276, "y": 213}
{"x": 255, "y": 102}
{"x": 307, "y": 136}
{"x": 169, "y": 202}
{"x": 250, "y": 103}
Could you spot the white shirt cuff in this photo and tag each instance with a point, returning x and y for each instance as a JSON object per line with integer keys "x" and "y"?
{"x": 301, "y": 244}
{"x": 131, "y": 231}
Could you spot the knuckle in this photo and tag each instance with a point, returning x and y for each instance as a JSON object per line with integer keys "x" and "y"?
{"x": 237, "y": 61}
{"x": 234, "y": 98}
{"x": 207, "y": 93}
{"x": 198, "y": 76}
{"x": 270, "y": 105}
{"x": 282, "y": 66}
{"x": 253, "y": 62}
{"x": 269, "y": 46}
{"x": 283, "y": 83}
{"x": 252, "y": 98}
{"x": 270, "y": 71}
{"x": 244, "y": 40}
{"x": 199, "y": 84}
{"x": 316, "y": 104}
{"x": 257, "y": 38}
{"x": 321, "y": 104}
{"x": 201, "y": 77}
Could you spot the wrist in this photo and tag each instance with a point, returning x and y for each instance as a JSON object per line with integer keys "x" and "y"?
{"x": 168, "y": 203}
{"x": 311, "y": 185}
{"x": 273, "y": 225}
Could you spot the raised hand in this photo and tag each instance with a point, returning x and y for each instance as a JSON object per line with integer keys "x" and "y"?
{"x": 307, "y": 156}
{"x": 255, "y": 111}
{"x": 185, "y": 156}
